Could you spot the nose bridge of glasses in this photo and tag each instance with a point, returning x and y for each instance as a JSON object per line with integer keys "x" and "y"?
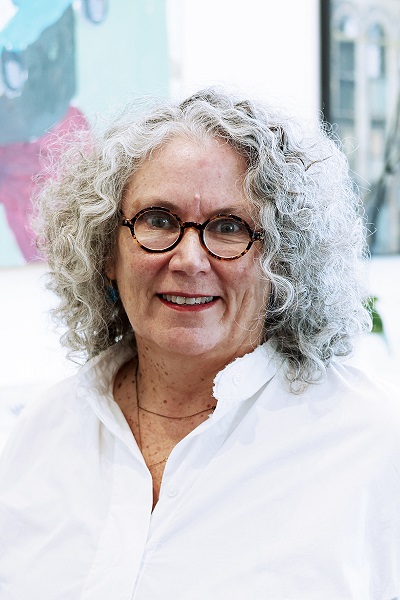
{"x": 193, "y": 225}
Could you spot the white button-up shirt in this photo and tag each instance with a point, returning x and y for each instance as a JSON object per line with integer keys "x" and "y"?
{"x": 276, "y": 496}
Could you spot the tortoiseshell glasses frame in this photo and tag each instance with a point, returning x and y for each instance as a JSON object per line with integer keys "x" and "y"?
{"x": 166, "y": 229}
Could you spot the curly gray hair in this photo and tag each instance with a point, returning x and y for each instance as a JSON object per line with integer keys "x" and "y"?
{"x": 299, "y": 186}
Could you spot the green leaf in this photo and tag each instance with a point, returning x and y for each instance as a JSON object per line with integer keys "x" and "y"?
{"x": 377, "y": 324}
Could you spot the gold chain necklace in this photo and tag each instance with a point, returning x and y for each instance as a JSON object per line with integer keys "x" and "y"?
{"x": 210, "y": 408}
{"x": 139, "y": 408}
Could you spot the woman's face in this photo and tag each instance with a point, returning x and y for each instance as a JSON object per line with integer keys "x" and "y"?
{"x": 195, "y": 180}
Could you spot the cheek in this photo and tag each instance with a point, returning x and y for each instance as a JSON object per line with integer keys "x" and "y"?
{"x": 258, "y": 290}
{"x": 247, "y": 280}
{"x": 137, "y": 272}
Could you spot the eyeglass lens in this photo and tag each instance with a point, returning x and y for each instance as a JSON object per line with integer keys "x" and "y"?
{"x": 225, "y": 236}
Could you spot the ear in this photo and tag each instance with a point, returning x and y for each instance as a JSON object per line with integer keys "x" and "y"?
{"x": 110, "y": 270}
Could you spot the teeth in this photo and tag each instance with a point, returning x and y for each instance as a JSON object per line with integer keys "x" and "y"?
{"x": 185, "y": 300}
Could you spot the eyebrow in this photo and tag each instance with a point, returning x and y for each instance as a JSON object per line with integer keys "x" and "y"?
{"x": 225, "y": 210}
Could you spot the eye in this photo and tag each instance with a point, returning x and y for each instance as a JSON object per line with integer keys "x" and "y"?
{"x": 159, "y": 220}
{"x": 228, "y": 227}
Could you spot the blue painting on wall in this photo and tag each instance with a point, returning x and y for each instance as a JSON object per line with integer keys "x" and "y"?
{"x": 60, "y": 63}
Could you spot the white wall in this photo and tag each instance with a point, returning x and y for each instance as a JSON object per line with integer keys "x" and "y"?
{"x": 30, "y": 353}
{"x": 31, "y": 358}
{"x": 265, "y": 47}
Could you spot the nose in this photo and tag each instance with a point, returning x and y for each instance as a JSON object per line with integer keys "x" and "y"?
{"x": 190, "y": 256}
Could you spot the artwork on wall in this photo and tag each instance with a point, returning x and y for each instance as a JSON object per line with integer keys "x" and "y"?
{"x": 61, "y": 62}
{"x": 360, "y": 42}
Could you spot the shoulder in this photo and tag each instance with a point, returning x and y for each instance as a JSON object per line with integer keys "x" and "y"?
{"x": 348, "y": 402}
{"x": 41, "y": 419}
{"x": 65, "y": 412}
{"x": 357, "y": 383}
{"x": 360, "y": 401}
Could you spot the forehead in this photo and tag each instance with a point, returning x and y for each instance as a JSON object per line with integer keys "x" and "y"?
{"x": 186, "y": 171}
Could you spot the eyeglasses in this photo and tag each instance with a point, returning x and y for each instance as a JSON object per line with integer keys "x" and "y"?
{"x": 226, "y": 237}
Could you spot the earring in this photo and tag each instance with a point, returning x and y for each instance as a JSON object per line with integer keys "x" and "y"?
{"x": 112, "y": 293}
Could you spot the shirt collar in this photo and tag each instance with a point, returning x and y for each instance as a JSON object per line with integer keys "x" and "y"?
{"x": 95, "y": 386}
{"x": 237, "y": 382}
{"x": 246, "y": 375}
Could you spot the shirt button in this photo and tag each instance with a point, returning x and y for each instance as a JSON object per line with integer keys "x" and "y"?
{"x": 237, "y": 379}
{"x": 172, "y": 491}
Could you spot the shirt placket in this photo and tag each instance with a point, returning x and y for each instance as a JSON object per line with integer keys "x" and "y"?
{"x": 187, "y": 461}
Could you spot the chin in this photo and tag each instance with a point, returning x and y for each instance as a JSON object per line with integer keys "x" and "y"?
{"x": 191, "y": 343}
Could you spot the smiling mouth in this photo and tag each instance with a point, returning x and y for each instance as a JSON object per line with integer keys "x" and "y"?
{"x": 187, "y": 300}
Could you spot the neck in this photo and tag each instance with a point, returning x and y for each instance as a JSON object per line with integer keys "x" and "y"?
{"x": 174, "y": 385}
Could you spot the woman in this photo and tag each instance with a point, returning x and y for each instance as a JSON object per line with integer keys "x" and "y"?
{"x": 209, "y": 261}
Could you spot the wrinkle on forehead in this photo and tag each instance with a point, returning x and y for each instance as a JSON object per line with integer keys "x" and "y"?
{"x": 197, "y": 202}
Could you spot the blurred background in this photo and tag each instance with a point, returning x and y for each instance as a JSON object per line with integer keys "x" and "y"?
{"x": 64, "y": 62}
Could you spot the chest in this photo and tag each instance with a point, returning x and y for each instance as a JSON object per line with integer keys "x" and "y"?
{"x": 251, "y": 509}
